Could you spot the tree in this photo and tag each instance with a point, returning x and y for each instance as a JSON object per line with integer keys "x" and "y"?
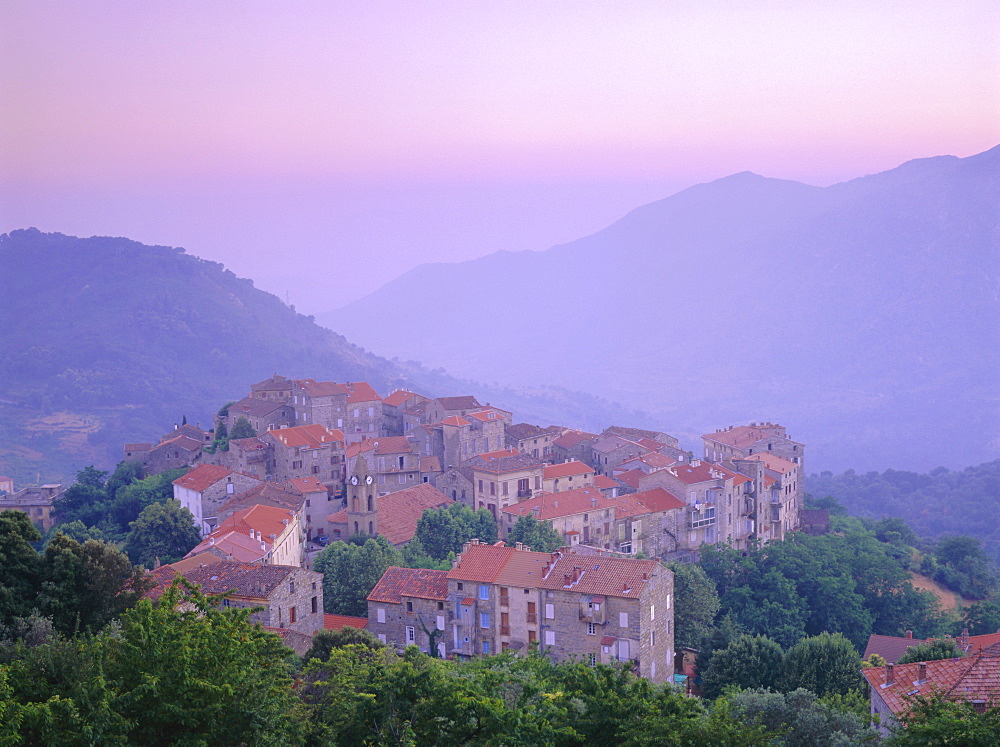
{"x": 327, "y": 640}
{"x": 937, "y": 720}
{"x": 125, "y": 473}
{"x": 164, "y": 532}
{"x": 751, "y": 661}
{"x": 19, "y": 565}
{"x": 242, "y": 429}
{"x": 351, "y": 571}
{"x": 938, "y": 648}
{"x": 695, "y": 607}
{"x": 535, "y": 535}
{"x": 801, "y": 718}
{"x": 445, "y": 530}
{"x": 982, "y": 617}
{"x": 824, "y": 664}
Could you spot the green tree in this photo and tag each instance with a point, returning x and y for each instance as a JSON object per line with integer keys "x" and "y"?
{"x": 696, "y": 603}
{"x": 938, "y": 648}
{"x": 19, "y": 565}
{"x": 824, "y": 664}
{"x": 414, "y": 556}
{"x": 982, "y": 617}
{"x": 801, "y": 719}
{"x": 751, "y": 661}
{"x": 125, "y": 473}
{"x": 242, "y": 429}
{"x": 351, "y": 571}
{"x": 937, "y": 720}
{"x": 445, "y": 530}
{"x": 535, "y": 535}
{"x": 164, "y": 531}
{"x": 327, "y": 640}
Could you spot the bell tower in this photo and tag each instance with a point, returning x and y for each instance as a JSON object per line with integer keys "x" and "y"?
{"x": 362, "y": 501}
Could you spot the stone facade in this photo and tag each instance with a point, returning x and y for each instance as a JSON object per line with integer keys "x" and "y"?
{"x": 407, "y": 608}
{"x": 503, "y": 478}
{"x": 204, "y": 489}
{"x": 531, "y": 439}
{"x": 35, "y": 501}
{"x": 262, "y": 414}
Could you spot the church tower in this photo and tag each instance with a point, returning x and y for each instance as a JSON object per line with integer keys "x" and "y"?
{"x": 362, "y": 501}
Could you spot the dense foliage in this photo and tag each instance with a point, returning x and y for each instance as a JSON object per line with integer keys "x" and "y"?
{"x": 934, "y": 504}
{"x": 441, "y": 531}
{"x": 535, "y": 535}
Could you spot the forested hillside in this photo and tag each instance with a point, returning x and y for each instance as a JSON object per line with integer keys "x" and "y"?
{"x": 933, "y": 504}
{"x": 105, "y": 340}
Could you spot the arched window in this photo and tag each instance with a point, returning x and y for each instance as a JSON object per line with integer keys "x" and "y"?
{"x": 354, "y": 503}
{"x": 356, "y": 530}
{"x": 371, "y": 528}
{"x": 370, "y": 503}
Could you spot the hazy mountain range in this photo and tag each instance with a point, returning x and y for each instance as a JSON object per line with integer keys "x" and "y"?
{"x": 865, "y": 316}
{"x": 105, "y": 340}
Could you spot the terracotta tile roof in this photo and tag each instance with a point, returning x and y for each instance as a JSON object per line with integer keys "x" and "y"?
{"x": 465, "y": 402}
{"x": 336, "y": 622}
{"x": 309, "y": 436}
{"x": 603, "y": 482}
{"x": 257, "y": 408}
{"x": 360, "y": 447}
{"x": 305, "y": 485}
{"x": 266, "y": 494}
{"x": 233, "y": 535}
{"x": 430, "y": 464}
{"x": 507, "y": 463}
{"x": 744, "y": 436}
{"x": 455, "y": 420}
{"x": 338, "y": 517}
{"x": 891, "y": 647}
{"x": 138, "y": 447}
{"x": 523, "y": 568}
{"x": 253, "y": 580}
{"x": 181, "y": 442}
{"x": 656, "y": 459}
{"x": 321, "y": 388}
{"x": 974, "y": 677}
{"x": 571, "y": 438}
{"x": 774, "y": 462}
{"x": 361, "y": 391}
{"x": 646, "y": 502}
{"x": 588, "y": 574}
{"x": 557, "y": 505}
{"x": 399, "y": 397}
{"x": 632, "y": 434}
{"x": 480, "y": 562}
{"x": 608, "y": 640}
{"x": 393, "y": 445}
{"x": 419, "y": 583}
{"x": 196, "y": 561}
{"x": 566, "y": 469}
{"x": 249, "y": 444}
{"x": 631, "y": 477}
{"x": 202, "y": 477}
{"x": 469, "y": 601}
{"x": 486, "y": 416}
{"x": 650, "y": 443}
{"x": 520, "y": 431}
{"x": 399, "y": 512}
{"x": 702, "y": 471}
{"x": 607, "y": 444}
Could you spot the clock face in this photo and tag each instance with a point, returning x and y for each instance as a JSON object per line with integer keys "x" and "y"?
{"x": 369, "y": 479}
{"x": 354, "y": 479}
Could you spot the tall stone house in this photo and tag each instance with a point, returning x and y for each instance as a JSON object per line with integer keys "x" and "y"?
{"x": 501, "y": 478}
{"x": 395, "y": 461}
{"x": 174, "y": 452}
{"x": 363, "y": 416}
{"x": 204, "y": 489}
{"x": 742, "y": 441}
{"x": 258, "y": 534}
{"x": 394, "y": 407}
{"x": 557, "y": 478}
{"x": 533, "y": 439}
{"x": 262, "y": 414}
{"x": 307, "y": 451}
{"x": 570, "y": 606}
{"x": 321, "y": 403}
{"x": 574, "y": 445}
{"x": 34, "y": 500}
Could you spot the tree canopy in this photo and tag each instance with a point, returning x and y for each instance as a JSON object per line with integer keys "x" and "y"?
{"x": 535, "y": 535}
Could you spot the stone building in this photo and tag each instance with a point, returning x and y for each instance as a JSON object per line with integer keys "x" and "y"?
{"x": 567, "y": 476}
{"x": 574, "y": 445}
{"x": 393, "y": 460}
{"x": 743, "y": 441}
{"x": 393, "y": 408}
{"x": 502, "y": 478}
{"x": 258, "y": 534}
{"x": 363, "y": 414}
{"x": 320, "y": 403}
{"x": 458, "y": 484}
{"x": 34, "y": 500}
{"x": 779, "y": 493}
{"x": 496, "y": 598}
{"x": 307, "y": 451}
{"x": 290, "y": 597}
{"x": 532, "y": 439}
{"x": 262, "y": 414}
{"x": 608, "y": 452}
{"x": 407, "y": 608}
{"x": 440, "y": 408}
{"x": 638, "y": 435}
{"x": 204, "y": 489}
{"x": 276, "y": 389}
{"x": 176, "y": 452}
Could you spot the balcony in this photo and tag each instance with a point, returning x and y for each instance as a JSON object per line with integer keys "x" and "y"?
{"x": 523, "y": 494}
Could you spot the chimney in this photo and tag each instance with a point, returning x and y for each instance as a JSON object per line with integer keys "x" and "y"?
{"x": 889, "y": 678}
{"x": 909, "y": 634}
{"x": 211, "y": 541}
{"x": 964, "y": 640}
{"x": 251, "y": 533}
{"x": 922, "y": 676}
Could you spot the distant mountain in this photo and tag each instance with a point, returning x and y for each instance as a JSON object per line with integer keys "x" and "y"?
{"x": 105, "y": 340}
{"x": 865, "y": 316}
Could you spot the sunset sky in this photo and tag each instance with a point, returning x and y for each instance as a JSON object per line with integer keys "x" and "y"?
{"x": 323, "y": 148}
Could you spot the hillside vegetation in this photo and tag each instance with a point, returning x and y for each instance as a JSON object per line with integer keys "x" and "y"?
{"x": 106, "y": 340}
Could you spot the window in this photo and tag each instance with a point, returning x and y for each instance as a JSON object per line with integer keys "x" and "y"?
{"x": 411, "y": 636}
{"x": 314, "y": 604}
{"x": 484, "y": 620}
{"x": 409, "y": 606}
{"x": 291, "y": 614}
{"x": 380, "y": 614}
{"x": 652, "y": 638}
{"x": 652, "y": 612}
{"x": 486, "y": 647}
{"x": 484, "y": 591}
{"x": 591, "y": 629}
{"x": 459, "y": 585}
{"x": 291, "y": 587}
{"x": 592, "y": 659}
{"x": 440, "y": 622}
{"x": 381, "y": 637}
{"x": 230, "y": 488}
{"x": 623, "y": 619}
{"x": 550, "y": 638}
{"x": 668, "y": 601}
{"x": 550, "y": 611}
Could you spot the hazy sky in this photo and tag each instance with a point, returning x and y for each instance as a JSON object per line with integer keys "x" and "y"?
{"x": 323, "y": 148}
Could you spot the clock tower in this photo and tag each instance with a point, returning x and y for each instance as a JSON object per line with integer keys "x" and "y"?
{"x": 362, "y": 501}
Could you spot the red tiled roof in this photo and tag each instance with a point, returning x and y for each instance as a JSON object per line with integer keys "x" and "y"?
{"x": 631, "y": 477}
{"x": 608, "y": 640}
{"x": 480, "y": 562}
{"x": 455, "y": 420}
{"x": 398, "y": 397}
{"x": 233, "y": 535}
{"x": 557, "y": 505}
{"x": 497, "y": 462}
{"x": 430, "y": 464}
{"x": 891, "y": 647}
{"x": 321, "y": 388}
{"x": 308, "y": 484}
{"x": 566, "y": 469}
{"x": 336, "y": 622}
{"x": 486, "y": 415}
{"x": 703, "y": 471}
{"x": 743, "y": 436}
{"x": 465, "y": 402}
{"x": 588, "y": 574}
{"x": 393, "y": 445}
{"x": 248, "y": 444}
{"x": 399, "y": 512}
{"x": 646, "y": 502}
{"x": 974, "y": 677}
{"x": 774, "y": 462}
{"x": 360, "y": 447}
{"x": 309, "y": 436}
{"x": 252, "y": 580}
{"x": 181, "y": 442}
{"x": 361, "y": 391}
{"x": 202, "y": 477}
{"x": 571, "y": 438}
{"x": 603, "y": 482}
{"x": 265, "y": 493}
{"x": 256, "y": 407}
{"x": 421, "y": 583}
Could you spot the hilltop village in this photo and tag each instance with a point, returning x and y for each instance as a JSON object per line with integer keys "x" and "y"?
{"x": 298, "y": 463}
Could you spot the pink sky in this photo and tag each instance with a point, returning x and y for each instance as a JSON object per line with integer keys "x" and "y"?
{"x": 365, "y": 138}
